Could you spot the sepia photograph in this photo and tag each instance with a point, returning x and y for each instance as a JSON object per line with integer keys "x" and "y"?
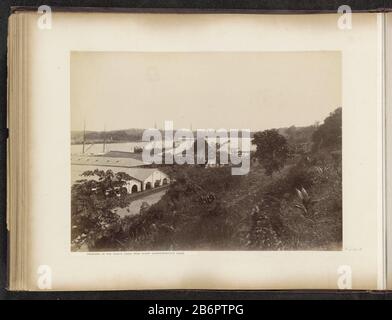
{"x": 222, "y": 152}
{"x": 182, "y": 151}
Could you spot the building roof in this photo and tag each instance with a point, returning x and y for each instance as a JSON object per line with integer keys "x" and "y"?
{"x": 123, "y": 154}
{"x": 140, "y": 174}
{"x": 124, "y": 162}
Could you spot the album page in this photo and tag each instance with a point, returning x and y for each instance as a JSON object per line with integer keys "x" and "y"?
{"x": 205, "y": 151}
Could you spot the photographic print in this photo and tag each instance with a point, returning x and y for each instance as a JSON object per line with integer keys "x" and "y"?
{"x": 179, "y": 151}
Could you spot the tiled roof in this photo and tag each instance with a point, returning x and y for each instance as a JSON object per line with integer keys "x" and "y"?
{"x": 140, "y": 174}
{"x": 123, "y": 154}
{"x": 106, "y": 161}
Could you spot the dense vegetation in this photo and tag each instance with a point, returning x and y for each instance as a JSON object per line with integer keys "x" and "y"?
{"x": 290, "y": 200}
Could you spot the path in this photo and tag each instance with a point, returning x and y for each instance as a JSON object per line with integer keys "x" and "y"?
{"x": 134, "y": 207}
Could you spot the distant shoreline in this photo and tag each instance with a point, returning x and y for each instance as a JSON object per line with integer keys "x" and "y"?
{"x": 106, "y": 142}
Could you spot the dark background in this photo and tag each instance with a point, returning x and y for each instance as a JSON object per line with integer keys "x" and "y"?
{"x": 283, "y": 6}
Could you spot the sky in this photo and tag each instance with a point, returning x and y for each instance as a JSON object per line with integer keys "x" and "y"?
{"x": 244, "y": 90}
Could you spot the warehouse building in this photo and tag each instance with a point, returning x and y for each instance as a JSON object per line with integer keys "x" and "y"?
{"x": 142, "y": 178}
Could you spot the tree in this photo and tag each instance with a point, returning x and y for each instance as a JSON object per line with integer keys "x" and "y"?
{"x": 329, "y": 134}
{"x": 272, "y": 150}
{"x": 93, "y": 221}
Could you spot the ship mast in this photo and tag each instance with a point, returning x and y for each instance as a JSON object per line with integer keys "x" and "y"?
{"x": 84, "y": 135}
{"x": 104, "y": 138}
